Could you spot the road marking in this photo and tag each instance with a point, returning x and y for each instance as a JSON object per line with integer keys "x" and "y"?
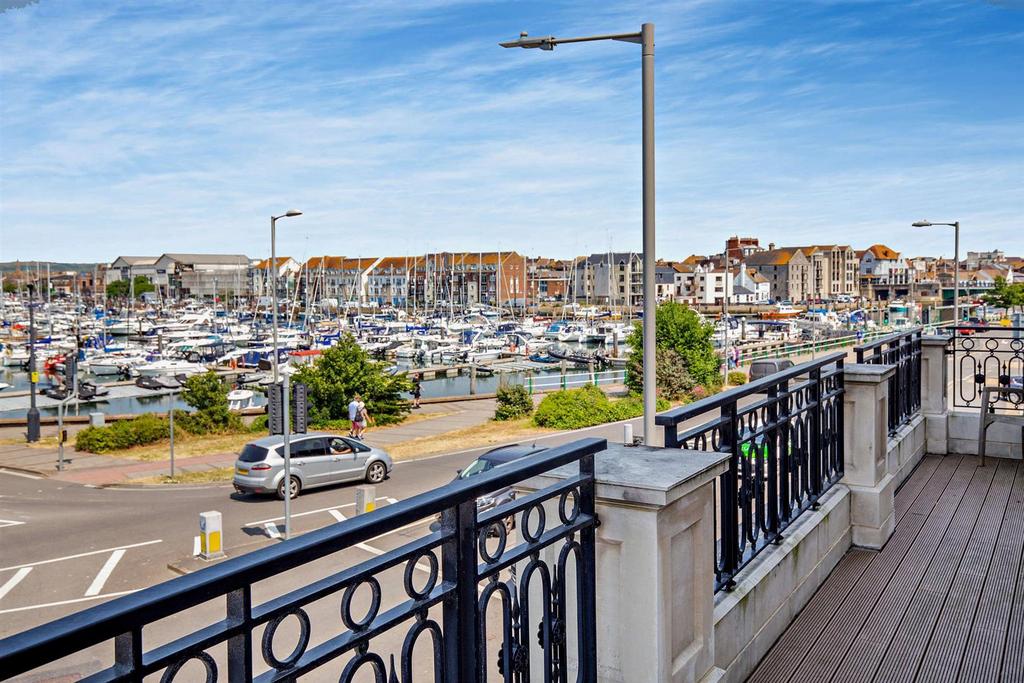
{"x": 196, "y": 546}
{"x": 376, "y": 551}
{"x": 108, "y": 568}
{"x": 14, "y": 581}
{"x": 272, "y": 530}
{"x": 75, "y": 557}
{"x": 391, "y": 501}
{"x": 263, "y": 522}
{"x": 9, "y": 522}
{"x": 67, "y": 602}
{"x": 19, "y": 474}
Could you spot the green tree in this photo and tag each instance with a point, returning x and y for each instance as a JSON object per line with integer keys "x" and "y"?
{"x": 10, "y": 287}
{"x": 343, "y": 371}
{"x": 1005, "y": 294}
{"x": 121, "y": 289}
{"x": 209, "y": 397}
{"x": 679, "y": 329}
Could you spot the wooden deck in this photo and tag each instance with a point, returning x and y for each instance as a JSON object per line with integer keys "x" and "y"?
{"x": 942, "y": 601}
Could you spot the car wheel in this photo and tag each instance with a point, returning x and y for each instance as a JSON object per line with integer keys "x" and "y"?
{"x": 295, "y": 488}
{"x": 376, "y": 472}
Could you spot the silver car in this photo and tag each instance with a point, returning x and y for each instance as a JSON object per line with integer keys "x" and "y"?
{"x": 317, "y": 459}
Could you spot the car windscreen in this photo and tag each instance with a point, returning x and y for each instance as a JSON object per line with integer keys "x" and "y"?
{"x": 253, "y": 453}
{"x": 478, "y": 466}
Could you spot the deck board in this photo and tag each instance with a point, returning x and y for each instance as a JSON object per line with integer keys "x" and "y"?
{"x": 943, "y": 600}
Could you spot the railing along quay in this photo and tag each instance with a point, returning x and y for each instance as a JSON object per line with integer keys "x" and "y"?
{"x": 903, "y": 350}
{"x": 465, "y": 565}
{"x": 987, "y": 355}
{"x": 786, "y": 451}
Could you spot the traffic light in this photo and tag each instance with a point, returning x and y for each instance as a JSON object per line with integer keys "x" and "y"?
{"x": 301, "y": 408}
{"x": 275, "y": 409}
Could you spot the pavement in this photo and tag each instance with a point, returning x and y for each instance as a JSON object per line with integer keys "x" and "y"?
{"x": 106, "y": 470}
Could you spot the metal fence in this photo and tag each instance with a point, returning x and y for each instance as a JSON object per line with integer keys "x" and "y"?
{"x": 784, "y": 434}
{"x": 573, "y": 380}
{"x": 993, "y": 356}
{"x": 903, "y": 350}
{"x": 470, "y": 559}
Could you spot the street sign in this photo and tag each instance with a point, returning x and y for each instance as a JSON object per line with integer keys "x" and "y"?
{"x": 275, "y": 409}
{"x": 70, "y": 370}
{"x": 301, "y": 408}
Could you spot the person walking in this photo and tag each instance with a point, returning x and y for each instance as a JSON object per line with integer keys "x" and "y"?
{"x": 353, "y": 416}
{"x": 416, "y": 391}
{"x": 362, "y": 419}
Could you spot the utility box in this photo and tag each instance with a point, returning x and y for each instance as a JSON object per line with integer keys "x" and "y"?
{"x": 97, "y": 419}
{"x": 211, "y": 535}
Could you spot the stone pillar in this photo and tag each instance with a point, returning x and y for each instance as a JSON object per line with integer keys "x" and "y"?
{"x": 655, "y": 562}
{"x": 872, "y": 486}
{"x": 935, "y": 393}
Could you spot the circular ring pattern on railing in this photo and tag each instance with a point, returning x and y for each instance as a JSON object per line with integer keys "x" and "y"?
{"x": 346, "y": 604}
{"x": 502, "y": 534}
{"x": 1017, "y": 345}
{"x": 966, "y": 343}
{"x": 562, "y": 500}
{"x": 991, "y": 344}
{"x": 205, "y": 659}
{"x": 300, "y": 647}
{"x": 529, "y": 535}
{"x": 410, "y": 567}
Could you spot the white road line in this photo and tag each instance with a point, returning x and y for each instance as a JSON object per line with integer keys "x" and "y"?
{"x": 66, "y": 602}
{"x": 196, "y": 546}
{"x": 272, "y": 530}
{"x": 108, "y": 568}
{"x": 391, "y": 501}
{"x": 303, "y": 514}
{"x": 376, "y": 551}
{"x": 75, "y": 557}
{"x": 19, "y": 474}
{"x": 14, "y": 581}
{"x": 9, "y": 522}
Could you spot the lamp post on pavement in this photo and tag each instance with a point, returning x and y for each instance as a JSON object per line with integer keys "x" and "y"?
{"x": 645, "y": 38}
{"x": 956, "y": 265}
{"x": 286, "y": 399}
{"x": 32, "y": 419}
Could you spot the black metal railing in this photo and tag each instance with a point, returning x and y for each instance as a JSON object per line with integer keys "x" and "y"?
{"x": 902, "y": 350}
{"x": 992, "y": 355}
{"x": 784, "y": 434}
{"x": 467, "y": 560}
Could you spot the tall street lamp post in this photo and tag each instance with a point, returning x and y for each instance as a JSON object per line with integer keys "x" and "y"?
{"x": 645, "y": 38}
{"x": 285, "y": 398}
{"x": 956, "y": 265}
{"x": 32, "y": 419}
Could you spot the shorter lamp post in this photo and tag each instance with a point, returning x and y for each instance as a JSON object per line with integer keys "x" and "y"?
{"x": 32, "y": 419}
{"x": 956, "y": 264}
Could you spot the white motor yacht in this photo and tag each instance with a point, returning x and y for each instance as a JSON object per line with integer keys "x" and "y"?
{"x": 170, "y": 368}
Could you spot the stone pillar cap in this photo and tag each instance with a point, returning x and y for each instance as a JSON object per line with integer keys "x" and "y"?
{"x": 642, "y": 476}
{"x": 867, "y": 373}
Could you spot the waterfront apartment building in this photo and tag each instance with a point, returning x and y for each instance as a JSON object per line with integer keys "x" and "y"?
{"x": 205, "y": 275}
{"x": 787, "y": 271}
{"x": 611, "y": 279}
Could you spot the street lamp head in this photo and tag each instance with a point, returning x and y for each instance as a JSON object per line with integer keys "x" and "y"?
{"x": 544, "y": 43}
{"x": 922, "y": 224}
{"x": 293, "y": 212}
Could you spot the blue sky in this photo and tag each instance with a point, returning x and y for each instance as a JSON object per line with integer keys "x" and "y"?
{"x": 399, "y": 126}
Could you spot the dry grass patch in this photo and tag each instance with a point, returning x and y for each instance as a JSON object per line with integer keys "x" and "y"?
{"x": 217, "y": 475}
{"x": 490, "y": 433}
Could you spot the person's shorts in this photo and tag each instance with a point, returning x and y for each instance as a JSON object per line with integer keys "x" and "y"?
{"x": 359, "y": 424}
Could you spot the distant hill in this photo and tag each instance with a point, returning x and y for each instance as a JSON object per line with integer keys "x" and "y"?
{"x": 55, "y": 266}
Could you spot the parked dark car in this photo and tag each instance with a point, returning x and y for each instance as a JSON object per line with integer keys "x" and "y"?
{"x": 768, "y": 366}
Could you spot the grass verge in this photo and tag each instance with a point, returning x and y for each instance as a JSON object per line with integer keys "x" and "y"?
{"x": 487, "y": 434}
{"x": 212, "y": 476}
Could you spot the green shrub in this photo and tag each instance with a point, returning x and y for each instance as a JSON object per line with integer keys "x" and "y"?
{"x": 514, "y": 402}
{"x": 209, "y": 396}
{"x": 139, "y": 431}
{"x": 586, "y": 407}
{"x": 737, "y": 377}
{"x": 342, "y": 425}
{"x": 259, "y": 424}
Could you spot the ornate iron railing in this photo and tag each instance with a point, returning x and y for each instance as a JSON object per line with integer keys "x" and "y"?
{"x": 468, "y": 560}
{"x": 990, "y": 355}
{"x": 903, "y": 350}
{"x": 784, "y": 434}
